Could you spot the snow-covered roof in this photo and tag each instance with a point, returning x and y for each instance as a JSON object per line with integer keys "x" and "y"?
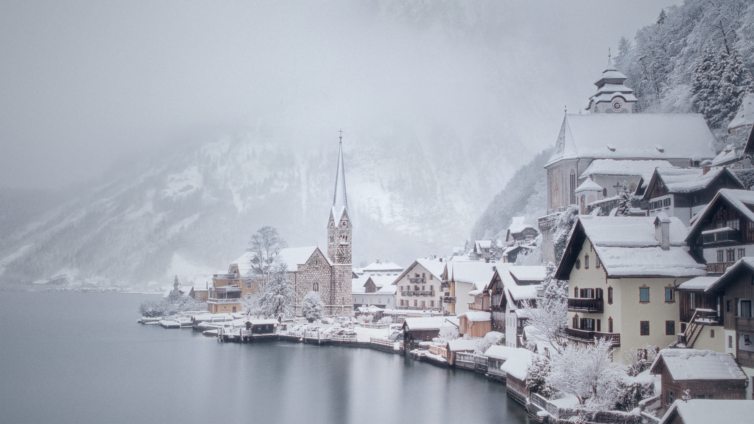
{"x": 518, "y": 225}
{"x": 476, "y": 316}
{"x": 482, "y": 244}
{"x": 627, "y": 247}
{"x": 291, "y": 256}
{"x": 588, "y": 185}
{"x": 500, "y": 352}
{"x": 383, "y": 267}
{"x": 726, "y": 156}
{"x": 633, "y": 136}
{"x": 431, "y": 323}
{"x": 739, "y": 199}
{"x": 517, "y": 363}
{"x": 382, "y": 280}
{"x": 693, "y": 364}
{"x": 698, "y": 283}
{"x": 706, "y": 411}
{"x": 528, "y": 273}
{"x": 459, "y": 345}
{"x": 687, "y": 180}
{"x": 434, "y": 266}
{"x": 623, "y": 167}
{"x": 730, "y": 273}
{"x": 745, "y": 115}
{"x": 260, "y": 321}
{"x": 477, "y": 273}
{"x": 523, "y": 292}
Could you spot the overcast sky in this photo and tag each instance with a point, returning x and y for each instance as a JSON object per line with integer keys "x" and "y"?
{"x": 86, "y": 84}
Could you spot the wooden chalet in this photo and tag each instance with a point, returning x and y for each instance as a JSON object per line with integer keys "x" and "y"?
{"x": 475, "y": 323}
{"x": 417, "y": 330}
{"x": 458, "y": 346}
{"x": 724, "y": 231}
{"x": 698, "y": 374}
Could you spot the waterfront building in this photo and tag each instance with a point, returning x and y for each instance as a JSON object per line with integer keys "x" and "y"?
{"x": 419, "y": 285}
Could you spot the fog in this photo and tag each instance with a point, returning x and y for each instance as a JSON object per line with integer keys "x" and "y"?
{"x": 87, "y": 85}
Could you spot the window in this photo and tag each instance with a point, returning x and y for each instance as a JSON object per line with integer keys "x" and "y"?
{"x": 604, "y": 192}
{"x": 578, "y": 263}
{"x": 692, "y": 301}
{"x": 711, "y": 334}
{"x": 432, "y": 303}
{"x": 668, "y": 294}
{"x": 720, "y": 256}
{"x": 587, "y": 324}
{"x": 234, "y": 309}
{"x": 431, "y": 277}
{"x": 575, "y": 321}
{"x": 416, "y": 302}
{"x": 599, "y": 325}
{"x": 727, "y": 305}
{"x": 644, "y": 328}
{"x": 248, "y": 284}
{"x": 666, "y": 202}
{"x": 424, "y": 304}
{"x": 730, "y": 342}
{"x": 586, "y": 293}
{"x": 610, "y": 295}
{"x": 596, "y": 261}
{"x": 745, "y": 309}
{"x": 644, "y": 294}
{"x": 670, "y": 397}
{"x": 431, "y": 288}
{"x": 572, "y": 186}
{"x": 747, "y": 340}
{"x": 610, "y": 325}
{"x": 586, "y": 262}
{"x": 576, "y": 292}
{"x": 741, "y": 253}
{"x": 669, "y": 328}
{"x": 734, "y": 224}
{"x": 731, "y": 255}
{"x": 315, "y": 287}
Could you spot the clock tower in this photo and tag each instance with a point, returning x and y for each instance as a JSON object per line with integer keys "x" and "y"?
{"x": 612, "y": 95}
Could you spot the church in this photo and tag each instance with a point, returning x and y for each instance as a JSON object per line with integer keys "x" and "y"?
{"x": 309, "y": 269}
{"x": 607, "y": 144}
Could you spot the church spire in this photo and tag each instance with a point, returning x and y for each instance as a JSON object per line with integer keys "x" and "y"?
{"x": 340, "y": 202}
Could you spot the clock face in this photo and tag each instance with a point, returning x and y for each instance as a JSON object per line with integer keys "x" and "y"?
{"x": 616, "y": 105}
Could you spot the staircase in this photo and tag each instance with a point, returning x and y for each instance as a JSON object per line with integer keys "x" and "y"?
{"x": 697, "y": 322}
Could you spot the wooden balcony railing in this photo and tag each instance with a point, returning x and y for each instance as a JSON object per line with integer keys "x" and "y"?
{"x": 721, "y": 236}
{"x": 416, "y": 280}
{"x": 448, "y": 299}
{"x": 585, "y": 305}
{"x": 587, "y": 336}
{"x": 745, "y": 325}
{"x": 718, "y": 268}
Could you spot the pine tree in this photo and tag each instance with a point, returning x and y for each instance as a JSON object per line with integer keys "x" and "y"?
{"x": 704, "y": 85}
{"x": 624, "y": 201}
{"x": 735, "y": 82}
{"x": 312, "y": 306}
{"x": 661, "y": 19}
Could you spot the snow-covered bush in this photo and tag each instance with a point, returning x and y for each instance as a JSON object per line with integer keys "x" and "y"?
{"x": 447, "y": 333}
{"x": 386, "y": 320}
{"x": 312, "y": 306}
{"x": 490, "y": 339}
{"x": 587, "y": 372}
{"x": 536, "y": 377}
{"x": 637, "y": 359}
{"x": 633, "y": 392}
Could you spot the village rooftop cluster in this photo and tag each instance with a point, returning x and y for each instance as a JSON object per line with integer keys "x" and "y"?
{"x": 649, "y": 237}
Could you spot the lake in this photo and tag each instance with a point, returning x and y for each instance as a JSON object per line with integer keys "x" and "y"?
{"x": 81, "y": 358}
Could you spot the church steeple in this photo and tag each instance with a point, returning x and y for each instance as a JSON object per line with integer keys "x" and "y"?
{"x": 612, "y": 95}
{"x": 340, "y": 200}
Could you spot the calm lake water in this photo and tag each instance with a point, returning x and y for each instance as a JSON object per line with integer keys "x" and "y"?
{"x": 81, "y": 358}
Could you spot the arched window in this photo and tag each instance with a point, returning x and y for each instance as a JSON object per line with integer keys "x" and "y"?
{"x": 632, "y": 188}
{"x": 572, "y": 186}
{"x": 575, "y": 321}
{"x": 604, "y": 192}
{"x": 610, "y": 325}
{"x": 315, "y": 287}
{"x": 578, "y": 263}
{"x": 586, "y": 261}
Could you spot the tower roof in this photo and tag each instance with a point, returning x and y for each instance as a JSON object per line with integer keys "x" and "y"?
{"x": 340, "y": 201}
{"x": 611, "y": 85}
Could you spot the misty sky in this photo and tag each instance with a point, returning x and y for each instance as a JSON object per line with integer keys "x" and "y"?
{"x": 86, "y": 85}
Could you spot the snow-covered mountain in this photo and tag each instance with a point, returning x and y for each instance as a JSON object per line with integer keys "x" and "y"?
{"x": 192, "y": 210}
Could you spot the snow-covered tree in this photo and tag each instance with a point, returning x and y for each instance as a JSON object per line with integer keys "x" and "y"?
{"x": 624, "y": 201}
{"x": 719, "y": 85}
{"x": 496, "y": 252}
{"x": 636, "y": 358}
{"x": 532, "y": 257}
{"x": 587, "y": 372}
{"x": 175, "y": 294}
{"x": 277, "y": 297}
{"x": 549, "y": 318}
{"x": 387, "y": 319}
{"x": 536, "y": 377}
{"x": 562, "y": 230}
{"x": 264, "y": 246}
{"x": 448, "y": 332}
{"x": 312, "y": 306}
{"x": 490, "y": 339}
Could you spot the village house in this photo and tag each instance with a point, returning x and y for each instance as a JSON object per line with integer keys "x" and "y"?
{"x": 684, "y": 192}
{"x": 380, "y": 268}
{"x": 418, "y": 330}
{"x": 374, "y": 289}
{"x": 723, "y": 232}
{"x": 519, "y": 284}
{"x": 611, "y": 132}
{"x": 467, "y": 282}
{"x": 474, "y": 324}
{"x": 520, "y": 238}
{"x": 704, "y": 411}
{"x": 454, "y": 347}
{"x": 698, "y": 374}
{"x": 419, "y": 286}
{"x": 496, "y": 357}
{"x": 622, "y": 273}
{"x": 701, "y": 315}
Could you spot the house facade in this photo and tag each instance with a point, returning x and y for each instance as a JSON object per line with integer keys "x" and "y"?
{"x": 419, "y": 286}
{"x": 622, "y": 273}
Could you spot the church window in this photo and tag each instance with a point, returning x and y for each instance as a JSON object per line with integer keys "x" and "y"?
{"x": 572, "y": 186}
{"x": 315, "y": 287}
{"x": 604, "y": 192}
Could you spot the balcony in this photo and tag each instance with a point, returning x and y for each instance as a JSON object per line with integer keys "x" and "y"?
{"x": 585, "y": 305}
{"x": 445, "y": 285}
{"x": 416, "y": 280}
{"x": 448, "y": 299}
{"x": 725, "y": 235}
{"x": 745, "y": 325}
{"x": 587, "y": 336}
{"x": 225, "y": 276}
{"x": 718, "y": 268}
{"x": 227, "y": 289}
{"x": 224, "y": 301}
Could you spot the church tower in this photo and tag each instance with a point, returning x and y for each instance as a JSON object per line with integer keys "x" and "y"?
{"x": 612, "y": 95}
{"x": 339, "y": 243}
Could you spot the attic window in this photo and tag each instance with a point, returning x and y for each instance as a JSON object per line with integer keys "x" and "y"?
{"x": 611, "y": 147}
{"x": 660, "y": 148}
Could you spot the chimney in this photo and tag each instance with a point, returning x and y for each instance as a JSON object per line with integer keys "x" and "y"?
{"x": 705, "y": 170}
{"x": 662, "y": 230}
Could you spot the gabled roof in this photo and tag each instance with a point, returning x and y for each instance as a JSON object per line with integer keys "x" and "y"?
{"x": 480, "y": 274}
{"x": 731, "y": 274}
{"x": 435, "y": 267}
{"x": 383, "y": 267}
{"x": 476, "y": 316}
{"x": 698, "y": 283}
{"x": 741, "y": 200}
{"x": 627, "y": 247}
{"x": 528, "y": 273}
{"x": 623, "y": 167}
{"x": 433, "y": 323}
{"x": 689, "y": 180}
{"x": 588, "y": 185}
{"x": 706, "y": 411}
{"x": 633, "y": 136}
{"x": 518, "y": 225}
{"x": 726, "y": 156}
{"x": 291, "y": 256}
{"x": 693, "y": 364}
